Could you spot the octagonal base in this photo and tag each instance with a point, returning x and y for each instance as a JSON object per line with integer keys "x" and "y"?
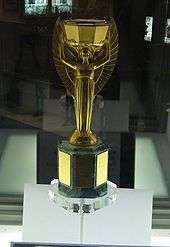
{"x": 83, "y": 171}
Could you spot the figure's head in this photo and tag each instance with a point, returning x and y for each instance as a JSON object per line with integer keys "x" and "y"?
{"x": 85, "y": 54}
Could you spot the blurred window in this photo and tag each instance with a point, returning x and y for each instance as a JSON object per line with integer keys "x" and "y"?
{"x": 148, "y": 29}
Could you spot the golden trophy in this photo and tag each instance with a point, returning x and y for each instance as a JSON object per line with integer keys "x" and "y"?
{"x": 85, "y": 52}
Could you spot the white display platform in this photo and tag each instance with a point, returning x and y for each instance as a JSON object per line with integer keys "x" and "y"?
{"x": 126, "y": 222}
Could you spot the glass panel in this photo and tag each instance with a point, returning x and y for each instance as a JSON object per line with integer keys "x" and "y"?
{"x": 133, "y": 102}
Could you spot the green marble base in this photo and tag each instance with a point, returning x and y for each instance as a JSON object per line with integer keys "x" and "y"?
{"x": 82, "y": 170}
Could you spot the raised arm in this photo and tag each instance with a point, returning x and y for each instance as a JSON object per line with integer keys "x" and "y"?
{"x": 62, "y": 58}
{"x": 104, "y": 60}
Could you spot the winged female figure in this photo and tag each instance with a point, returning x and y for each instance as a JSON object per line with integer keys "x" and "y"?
{"x": 85, "y": 53}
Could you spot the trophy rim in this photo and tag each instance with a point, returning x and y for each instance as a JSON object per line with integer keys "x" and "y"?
{"x": 86, "y": 22}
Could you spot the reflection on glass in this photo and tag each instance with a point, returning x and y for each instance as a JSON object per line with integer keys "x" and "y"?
{"x": 148, "y": 29}
{"x": 36, "y": 7}
{"x": 62, "y": 6}
{"x": 167, "y": 32}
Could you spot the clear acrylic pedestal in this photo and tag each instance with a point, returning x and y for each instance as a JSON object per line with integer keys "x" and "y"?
{"x": 82, "y": 205}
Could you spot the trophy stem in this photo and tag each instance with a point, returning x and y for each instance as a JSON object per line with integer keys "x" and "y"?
{"x": 83, "y": 104}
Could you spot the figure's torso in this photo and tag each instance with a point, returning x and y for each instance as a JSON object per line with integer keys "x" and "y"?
{"x": 84, "y": 71}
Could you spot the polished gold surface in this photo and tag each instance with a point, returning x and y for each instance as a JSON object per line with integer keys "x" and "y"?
{"x": 102, "y": 168}
{"x": 85, "y": 53}
{"x": 64, "y": 168}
